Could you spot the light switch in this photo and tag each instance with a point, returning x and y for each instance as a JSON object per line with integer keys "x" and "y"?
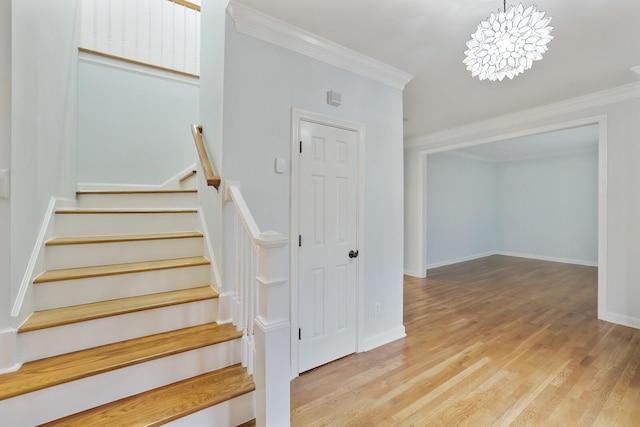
{"x": 4, "y": 184}
{"x": 281, "y": 165}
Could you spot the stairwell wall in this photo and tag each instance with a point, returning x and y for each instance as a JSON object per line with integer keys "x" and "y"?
{"x": 43, "y": 62}
{"x": 6, "y": 335}
{"x": 262, "y": 83}
{"x": 212, "y": 16}
{"x": 133, "y": 123}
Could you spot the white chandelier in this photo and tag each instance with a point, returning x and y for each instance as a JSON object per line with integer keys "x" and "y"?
{"x": 507, "y": 43}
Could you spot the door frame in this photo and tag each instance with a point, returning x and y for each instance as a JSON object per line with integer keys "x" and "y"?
{"x": 601, "y": 122}
{"x": 298, "y": 116}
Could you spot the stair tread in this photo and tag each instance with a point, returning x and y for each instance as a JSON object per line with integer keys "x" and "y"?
{"x": 124, "y": 210}
{"x": 78, "y": 240}
{"x": 162, "y": 405}
{"x": 79, "y": 313}
{"x": 113, "y": 269}
{"x": 108, "y": 192}
{"x": 68, "y": 367}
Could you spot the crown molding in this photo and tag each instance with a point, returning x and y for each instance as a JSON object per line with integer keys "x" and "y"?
{"x": 596, "y": 99}
{"x": 264, "y": 27}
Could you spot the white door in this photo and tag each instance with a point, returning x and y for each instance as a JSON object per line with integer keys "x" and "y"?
{"x": 327, "y": 250}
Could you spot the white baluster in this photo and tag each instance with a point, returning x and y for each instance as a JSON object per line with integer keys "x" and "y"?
{"x": 236, "y": 278}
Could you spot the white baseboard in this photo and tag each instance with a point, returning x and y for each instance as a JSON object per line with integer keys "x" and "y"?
{"x": 461, "y": 259}
{"x": 620, "y": 319}
{"x": 173, "y": 183}
{"x": 383, "y": 338}
{"x": 548, "y": 258}
{"x": 23, "y": 307}
{"x": 8, "y": 340}
{"x": 505, "y": 253}
{"x": 415, "y": 273}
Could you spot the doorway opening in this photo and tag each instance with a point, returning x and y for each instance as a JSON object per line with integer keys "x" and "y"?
{"x": 472, "y": 149}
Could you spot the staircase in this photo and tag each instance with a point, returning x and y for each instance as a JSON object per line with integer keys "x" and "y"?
{"x": 124, "y": 326}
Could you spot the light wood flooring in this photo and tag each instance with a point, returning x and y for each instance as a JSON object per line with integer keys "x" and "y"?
{"x": 498, "y": 341}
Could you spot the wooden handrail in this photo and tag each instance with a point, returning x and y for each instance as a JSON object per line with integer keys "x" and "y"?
{"x": 187, "y": 4}
{"x": 209, "y": 175}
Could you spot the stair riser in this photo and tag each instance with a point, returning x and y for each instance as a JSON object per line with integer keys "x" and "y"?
{"x": 94, "y": 289}
{"x": 65, "y": 399}
{"x": 43, "y": 343}
{"x": 154, "y": 200}
{"x": 86, "y": 255}
{"x": 230, "y": 413}
{"x": 124, "y": 223}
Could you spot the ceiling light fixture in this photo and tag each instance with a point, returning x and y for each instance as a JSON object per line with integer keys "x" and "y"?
{"x": 507, "y": 43}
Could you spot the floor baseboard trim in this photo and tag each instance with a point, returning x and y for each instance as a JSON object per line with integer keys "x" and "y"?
{"x": 461, "y": 259}
{"x": 383, "y": 338}
{"x": 505, "y": 253}
{"x": 414, "y": 273}
{"x": 621, "y": 319}
{"x": 548, "y": 258}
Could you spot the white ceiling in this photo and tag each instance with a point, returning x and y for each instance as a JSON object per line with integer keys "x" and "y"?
{"x": 596, "y": 44}
{"x": 561, "y": 142}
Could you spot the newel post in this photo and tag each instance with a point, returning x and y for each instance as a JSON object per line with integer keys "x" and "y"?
{"x": 272, "y": 333}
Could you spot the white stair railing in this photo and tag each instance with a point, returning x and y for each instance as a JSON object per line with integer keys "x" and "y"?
{"x": 261, "y": 310}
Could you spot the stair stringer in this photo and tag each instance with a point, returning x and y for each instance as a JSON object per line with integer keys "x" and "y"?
{"x": 173, "y": 183}
{"x": 23, "y": 306}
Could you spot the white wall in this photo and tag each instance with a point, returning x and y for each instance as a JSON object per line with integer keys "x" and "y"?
{"x": 44, "y": 52}
{"x": 544, "y": 208}
{"x": 549, "y": 207}
{"x": 133, "y": 125}
{"x": 623, "y": 198}
{"x": 213, "y": 15}
{"x": 262, "y": 83}
{"x": 5, "y": 164}
{"x": 462, "y": 208}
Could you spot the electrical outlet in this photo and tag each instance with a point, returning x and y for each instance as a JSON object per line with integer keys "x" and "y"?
{"x": 376, "y": 309}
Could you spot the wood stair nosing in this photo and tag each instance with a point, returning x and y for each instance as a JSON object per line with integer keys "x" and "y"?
{"x": 52, "y": 371}
{"x": 79, "y": 313}
{"x": 168, "y": 403}
{"x": 117, "y": 238}
{"x": 134, "y": 192}
{"x": 115, "y": 269}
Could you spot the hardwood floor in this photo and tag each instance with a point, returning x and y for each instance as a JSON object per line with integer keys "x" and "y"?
{"x": 497, "y": 341}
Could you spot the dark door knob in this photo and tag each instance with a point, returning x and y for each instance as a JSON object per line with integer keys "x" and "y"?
{"x": 353, "y": 254}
